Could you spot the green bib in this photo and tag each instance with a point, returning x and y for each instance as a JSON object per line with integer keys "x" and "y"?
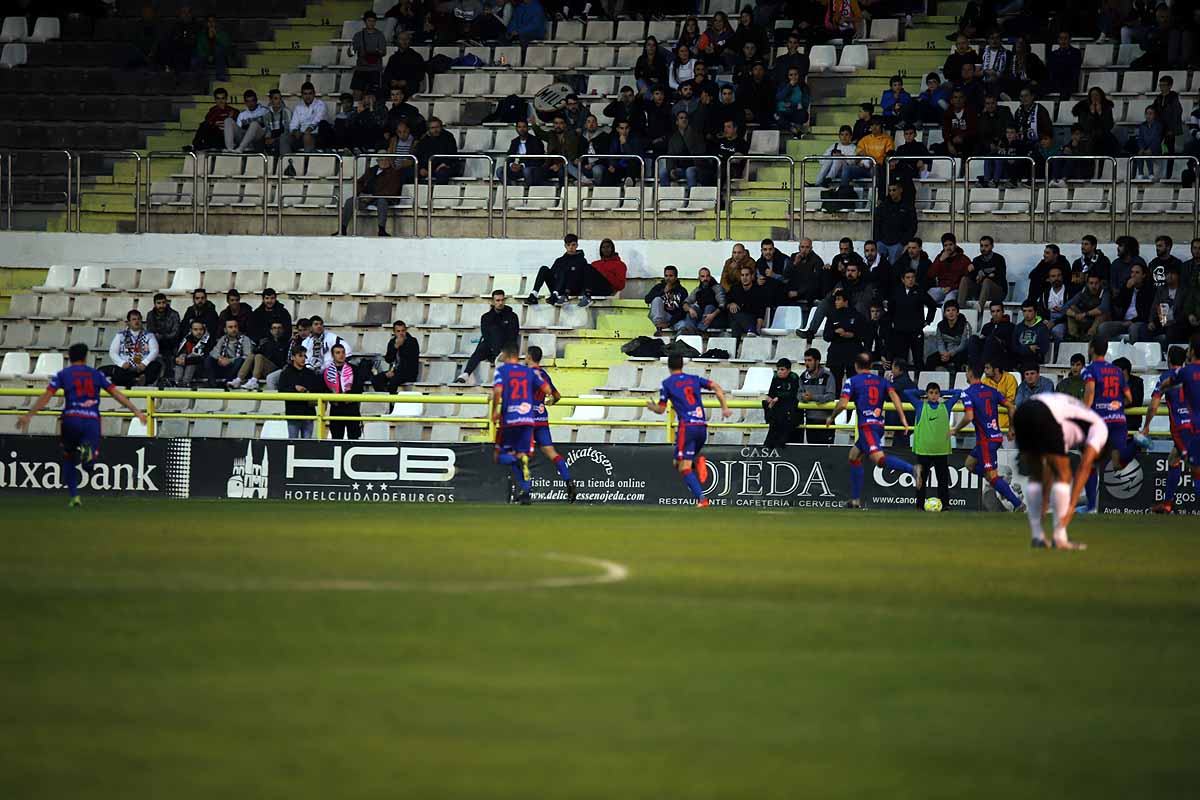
{"x": 932, "y": 434}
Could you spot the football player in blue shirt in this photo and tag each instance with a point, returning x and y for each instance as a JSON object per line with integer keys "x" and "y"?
{"x": 683, "y": 392}
{"x": 1182, "y": 430}
{"x": 80, "y": 418}
{"x": 981, "y": 405}
{"x": 1187, "y": 378}
{"x": 514, "y": 392}
{"x": 1106, "y": 392}
{"x": 868, "y": 392}
{"x": 541, "y": 428}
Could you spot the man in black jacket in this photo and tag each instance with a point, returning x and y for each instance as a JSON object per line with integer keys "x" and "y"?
{"x": 780, "y": 406}
{"x": 911, "y": 309}
{"x": 986, "y": 278}
{"x": 859, "y": 293}
{"x": 406, "y": 67}
{"x": 913, "y": 258}
{"x": 876, "y": 332}
{"x": 433, "y": 147}
{"x": 895, "y": 221}
{"x": 842, "y": 332}
{"x": 993, "y": 345}
{"x": 202, "y": 310}
{"x": 403, "y": 359}
{"x": 498, "y": 327}
{"x": 270, "y": 311}
{"x": 523, "y": 144}
{"x": 878, "y": 269}
{"x": 746, "y": 304}
{"x": 296, "y": 377}
{"x": 1132, "y": 307}
{"x": 236, "y": 310}
{"x": 626, "y": 108}
{"x": 1090, "y": 261}
{"x": 803, "y": 275}
{"x": 270, "y": 353}
{"x": 666, "y": 300}
{"x": 566, "y": 278}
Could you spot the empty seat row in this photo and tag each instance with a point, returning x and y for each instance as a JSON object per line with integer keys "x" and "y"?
{"x": 16, "y": 29}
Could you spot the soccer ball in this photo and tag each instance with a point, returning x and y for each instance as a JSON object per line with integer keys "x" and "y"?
{"x": 933, "y": 504}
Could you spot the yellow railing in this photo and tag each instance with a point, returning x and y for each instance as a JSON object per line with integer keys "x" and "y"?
{"x": 484, "y": 424}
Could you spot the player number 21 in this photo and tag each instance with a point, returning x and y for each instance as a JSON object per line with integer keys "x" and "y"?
{"x": 519, "y": 387}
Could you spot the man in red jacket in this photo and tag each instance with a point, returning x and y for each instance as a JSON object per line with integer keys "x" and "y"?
{"x": 948, "y": 270}
{"x": 211, "y": 133}
{"x": 606, "y": 276}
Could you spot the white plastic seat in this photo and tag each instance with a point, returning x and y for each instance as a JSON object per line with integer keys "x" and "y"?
{"x": 1098, "y": 55}
{"x": 754, "y": 349}
{"x": 598, "y": 58}
{"x": 854, "y": 57}
{"x": 621, "y": 377}
{"x": 786, "y": 320}
{"x": 15, "y": 365}
{"x": 568, "y": 31}
{"x": 1128, "y": 53}
{"x": 764, "y": 142}
{"x": 885, "y": 30}
{"x": 822, "y": 57}
{"x": 45, "y": 29}
{"x": 757, "y": 382}
{"x": 1136, "y": 82}
{"x": 13, "y": 55}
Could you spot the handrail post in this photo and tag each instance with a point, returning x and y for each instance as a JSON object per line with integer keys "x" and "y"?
{"x": 490, "y": 164}
{"x": 641, "y": 183}
{"x": 266, "y": 200}
{"x": 566, "y": 186}
{"x": 341, "y": 182}
{"x": 1032, "y": 190}
{"x": 320, "y": 417}
{"x": 730, "y": 200}
{"x": 151, "y": 421}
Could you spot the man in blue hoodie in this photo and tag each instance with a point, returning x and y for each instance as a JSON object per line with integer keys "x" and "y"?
{"x": 528, "y": 21}
{"x": 1031, "y": 337}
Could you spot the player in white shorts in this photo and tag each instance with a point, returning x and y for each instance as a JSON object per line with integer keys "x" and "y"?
{"x": 1047, "y": 427}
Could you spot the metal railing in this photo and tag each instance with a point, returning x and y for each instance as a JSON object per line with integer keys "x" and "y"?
{"x": 490, "y": 165}
{"x": 210, "y": 156}
{"x": 338, "y": 181}
{"x": 640, "y": 183}
{"x": 137, "y": 183}
{"x": 871, "y": 192}
{"x": 195, "y": 180}
{"x": 354, "y": 176}
{"x": 953, "y": 181}
{"x": 654, "y": 198}
{"x": 730, "y": 199}
{"x": 1008, "y": 160}
{"x": 504, "y": 186}
{"x": 8, "y": 194}
{"x": 1190, "y": 161}
{"x": 1112, "y": 195}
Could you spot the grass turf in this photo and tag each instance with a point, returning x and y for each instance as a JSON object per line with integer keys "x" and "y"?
{"x": 187, "y": 650}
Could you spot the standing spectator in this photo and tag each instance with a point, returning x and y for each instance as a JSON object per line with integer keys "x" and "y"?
{"x": 1088, "y": 309}
{"x": 895, "y": 222}
{"x": 406, "y": 67}
{"x": 1064, "y": 64}
{"x": 244, "y": 133}
{"x": 1052, "y": 304}
{"x": 684, "y": 142}
{"x": 236, "y": 310}
{"x": 831, "y": 168}
{"x": 340, "y": 377}
{"x": 731, "y": 272}
{"x": 816, "y": 386}
{"x": 1132, "y": 306}
{"x": 1095, "y": 116}
{"x": 933, "y": 103}
{"x": 1090, "y": 262}
{"x": 381, "y": 185}
{"x": 178, "y": 47}
{"x": 986, "y": 276}
{"x": 1031, "y": 119}
{"x": 1003, "y": 382}
{"x": 213, "y": 47}
{"x": 756, "y": 94}
{"x": 607, "y": 276}
{"x": 431, "y": 152}
{"x": 1163, "y": 261}
{"x": 268, "y": 312}
{"x": 1072, "y": 383}
{"x": 842, "y": 331}
{"x": 1051, "y": 257}
{"x": 948, "y": 270}
{"x": 993, "y": 345}
{"x": 1170, "y": 113}
{"x": 210, "y": 135}
{"x": 319, "y": 344}
{"x": 651, "y": 67}
{"x": 565, "y": 278}
{"x": 202, "y": 310}
{"x": 994, "y": 120}
{"x": 1032, "y": 383}
{"x": 297, "y": 378}
{"x": 134, "y": 354}
{"x": 367, "y": 48}
{"x": 780, "y": 406}
{"x": 877, "y": 332}
{"x": 309, "y": 129}
{"x": 950, "y": 341}
{"x": 746, "y": 304}
{"x": 1146, "y": 141}
{"x": 276, "y": 125}
{"x": 190, "y": 355}
{"x": 844, "y": 20}
{"x": 666, "y": 299}
{"x": 704, "y": 306}
{"x": 164, "y": 323}
{"x": 528, "y": 21}
{"x": 1031, "y": 337}
{"x": 910, "y": 310}
{"x": 402, "y": 358}
{"x": 270, "y": 355}
{"x": 498, "y": 327}
{"x": 959, "y": 128}
{"x": 227, "y": 354}
{"x": 791, "y": 104}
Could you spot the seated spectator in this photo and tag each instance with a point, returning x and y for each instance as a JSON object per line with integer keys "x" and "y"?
{"x": 690, "y": 33}
{"x": 803, "y": 275}
{"x": 962, "y": 53}
{"x": 400, "y": 110}
{"x": 756, "y": 95}
{"x": 319, "y": 344}
{"x": 729, "y": 144}
{"x": 1087, "y": 310}
{"x": 244, "y": 134}
{"x": 269, "y": 312}
{"x": 794, "y": 57}
{"x": 565, "y": 277}
{"x": 134, "y": 354}
{"x": 210, "y": 135}
{"x": 164, "y": 323}
{"x": 276, "y": 124}
{"x": 704, "y": 306}
{"x": 213, "y": 48}
{"x": 876, "y": 145}
{"x": 344, "y": 110}
{"x": 406, "y": 67}
{"x": 715, "y": 40}
{"x": 341, "y": 377}
{"x": 1066, "y": 170}
{"x": 862, "y": 123}
{"x": 747, "y": 56}
{"x": 993, "y": 345}
{"x": 368, "y": 125}
{"x": 525, "y": 143}
{"x": 972, "y": 88}
{"x": 178, "y": 45}
{"x": 1008, "y": 168}
{"x": 701, "y": 83}
{"x": 1032, "y": 383}
{"x": 1052, "y": 303}
{"x": 528, "y": 22}
{"x": 994, "y": 120}
{"x": 1091, "y": 261}
{"x": 1064, "y": 65}
{"x": 431, "y": 152}
{"x": 993, "y": 61}
{"x": 948, "y": 270}
{"x": 1163, "y": 260}
{"x": 791, "y": 105}
{"x": 1025, "y": 70}
{"x": 607, "y": 276}
{"x": 686, "y": 100}
{"x": 684, "y": 142}
{"x": 402, "y": 359}
{"x": 746, "y": 304}
{"x": 832, "y": 168}
{"x": 731, "y": 272}
{"x": 986, "y": 278}
{"x": 682, "y": 67}
{"x": 895, "y": 102}
{"x": 227, "y": 354}
{"x": 296, "y": 377}
{"x": 1051, "y": 257}
{"x": 574, "y": 112}
{"x": 270, "y": 355}
{"x": 401, "y": 142}
{"x": 950, "y": 341}
{"x": 628, "y": 108}
{"x": 1128, "y": 255}
{"x": 844, "y": 20}
{"x": 236, "y": 310}
{"x": 593, "y": 141}
{"x": 190, "y": 355}
{"x": 895, "y": 223}
{"x": 960, "y": 126}
{"x": 498, "y": 327}
{"x": 623, "y": 170}
{"x": 932, "y": 104}
{"x": 666, "y": 299}
{"x": 748, "y": 31}
{"x": 1031, "y": 337}
{"x": 309, "y": 129}
{"x": 1046, "y": 150}
{"x": 560, "y": 140}
{"x": 913, "y": 258}
{"x": 1167, "y": 322}
{"x": 876, "y": 268}
{"x": 650, "y": 70}
{"x": 843, "y": 333}
{"x": 1147, "y": 141}
{"x": 204, "y": 311}
{"x": 1072, "y": 383}
{"x": 368, "y": 48}
{"x": 773, "y": 262}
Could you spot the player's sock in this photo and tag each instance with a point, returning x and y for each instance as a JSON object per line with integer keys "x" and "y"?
{"x": 518, "y": 478}
{"x": 506, "y": 458}
{"x": 856, "y": 478}
{"x": 898, "y": 464}
{"x": 1090, "y": 489}
{"x": 1033, "y": 509}
{"x": 560, "y": 464}
{"x": 1060, "y": 504}
{"x": 1005, "y": 491}
{"x": 1173, "y": 476}
{"x": 1126, "y": 452}
{"x": 693, "y": 483}
{"x": 72, "y": 477}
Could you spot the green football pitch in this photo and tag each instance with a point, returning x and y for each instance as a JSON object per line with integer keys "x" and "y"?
{"x": 196, "y": 649}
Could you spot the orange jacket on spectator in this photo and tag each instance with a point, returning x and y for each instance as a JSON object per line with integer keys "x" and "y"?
{"x": 729, "y": 275}
{"x": 877, "y": 147}
{"x": 613, "y": 269}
